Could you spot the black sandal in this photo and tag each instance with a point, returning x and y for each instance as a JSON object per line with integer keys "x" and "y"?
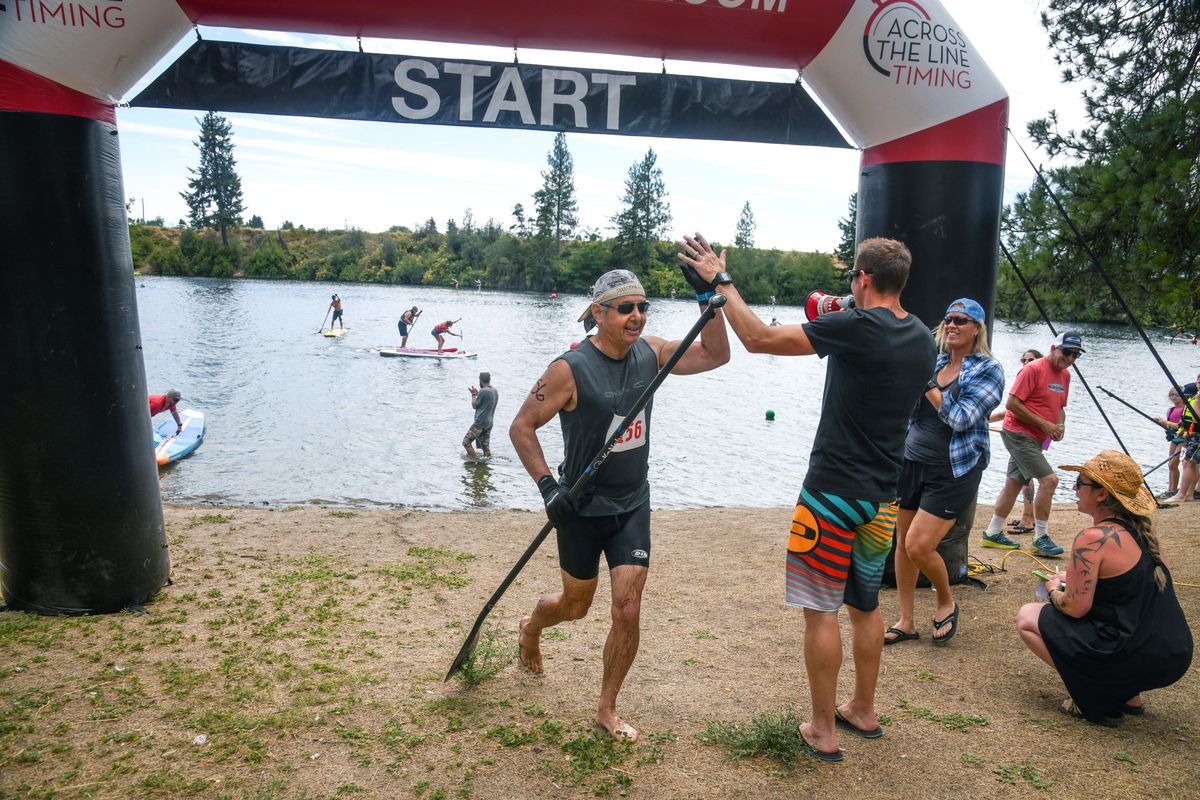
{"x": 901, "y": 636}
{"x": 952, "y": 621}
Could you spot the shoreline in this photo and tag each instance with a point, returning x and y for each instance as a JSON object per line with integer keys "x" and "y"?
{"x": 301, "y": 652}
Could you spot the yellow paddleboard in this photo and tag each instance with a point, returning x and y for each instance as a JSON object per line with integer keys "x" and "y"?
{"x": 338, "y": 332}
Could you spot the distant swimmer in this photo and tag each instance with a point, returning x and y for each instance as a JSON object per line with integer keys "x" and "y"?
{"x": 336, "y": 305}
{"x": 167, "y": 402}
{"x": 407, "y": 320}
{"x": 441, "y": 329}
{"x": 478, "y": 285}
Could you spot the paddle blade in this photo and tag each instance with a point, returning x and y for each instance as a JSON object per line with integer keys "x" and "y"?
{"x": 464, "y": 654}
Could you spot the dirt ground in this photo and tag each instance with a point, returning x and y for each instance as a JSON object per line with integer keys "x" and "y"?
{"x": 299, "y": 653}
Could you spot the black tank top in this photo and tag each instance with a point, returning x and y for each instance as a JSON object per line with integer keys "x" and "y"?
{"x": 606, "y": 389}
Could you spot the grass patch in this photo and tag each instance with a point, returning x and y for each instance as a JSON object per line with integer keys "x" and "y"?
{"x": 954, "y": 721}
{"x": 1013, "y": 775}
{"x": 773, "y": 735}
{"x": 433, "y": 566}
{"x": 208, "y": 519}
{"x": 342, "y": 514}
{"x": 594, "y": 755}
{"x": 489, "y": 655}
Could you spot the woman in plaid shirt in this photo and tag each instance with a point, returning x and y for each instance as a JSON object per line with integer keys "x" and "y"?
{"x": 945, "y": 455}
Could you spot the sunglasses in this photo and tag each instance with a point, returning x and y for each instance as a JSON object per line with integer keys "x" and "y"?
{"x": 1028, "y": 360}
{"x": 854, "y": 273}
{"x": 1070, "y": 353}
{"x": 1081, "y": 482}
{"x": 628, "y": 306}
{"x": 960, "y": 321}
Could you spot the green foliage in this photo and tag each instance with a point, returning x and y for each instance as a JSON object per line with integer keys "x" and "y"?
{"x": 501, "y": 260}
{"x": 955, "y": 721}
{"x": 555, "y": 208}
{"x": 744, "y": 238}
{"x": 774, "y": 735}
{"x": 214, "y": 196}
{"x": 848, "y": 226}
{"x": 1133, "y": 188}
{"x": 487, "y": 658}
{"x": 644, "y": 219}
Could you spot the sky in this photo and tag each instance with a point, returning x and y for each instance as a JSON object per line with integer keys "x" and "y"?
{"x": 372, "y": 175}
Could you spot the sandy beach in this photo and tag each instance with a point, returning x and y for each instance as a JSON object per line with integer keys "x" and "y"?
{"x": 300, "y": 652}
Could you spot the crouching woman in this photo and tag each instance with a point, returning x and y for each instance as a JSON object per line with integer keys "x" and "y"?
{"x": 1113, "y": 627}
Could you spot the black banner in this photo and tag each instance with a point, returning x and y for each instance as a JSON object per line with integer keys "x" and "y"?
{"x": 264, "y": 79}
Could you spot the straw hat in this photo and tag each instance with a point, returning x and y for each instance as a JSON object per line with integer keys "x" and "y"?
{"x": 1121, "y": 477}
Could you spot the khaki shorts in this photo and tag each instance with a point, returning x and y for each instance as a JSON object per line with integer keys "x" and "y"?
{"x": 1026, "y": 459}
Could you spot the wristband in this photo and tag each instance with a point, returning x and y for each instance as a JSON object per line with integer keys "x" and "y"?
{"x": 703, "y": 299}
{"x": 932, "y": 385}
{"x": 721, "y": 277}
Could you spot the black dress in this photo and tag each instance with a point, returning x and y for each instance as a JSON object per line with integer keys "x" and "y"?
{"x": 1133, "y": 639}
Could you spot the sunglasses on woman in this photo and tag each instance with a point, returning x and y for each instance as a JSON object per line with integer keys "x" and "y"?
{"x": 959, "y": 321}
{"x": 628, "y": 306}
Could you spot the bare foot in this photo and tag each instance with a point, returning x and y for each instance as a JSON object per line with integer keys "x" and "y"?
{"x": 617, "y": 728}
{"x": 529, "y": 653}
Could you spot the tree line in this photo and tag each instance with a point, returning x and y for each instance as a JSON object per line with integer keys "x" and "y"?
{"x": 543, "y": 249}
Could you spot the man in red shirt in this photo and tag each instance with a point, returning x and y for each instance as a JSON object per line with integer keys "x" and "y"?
{"x": 166, "y": 402}
{"x": 1036, "y": 415}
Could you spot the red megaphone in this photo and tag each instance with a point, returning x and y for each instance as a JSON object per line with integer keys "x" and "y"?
{"x": 819, "y": 303}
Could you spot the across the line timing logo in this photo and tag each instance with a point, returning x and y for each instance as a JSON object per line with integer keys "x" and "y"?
{"x": 902, "y": 41}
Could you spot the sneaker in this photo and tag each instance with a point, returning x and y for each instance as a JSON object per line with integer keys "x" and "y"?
{"x": 1045, "y": 546}
{"x": 1000, "y": 542}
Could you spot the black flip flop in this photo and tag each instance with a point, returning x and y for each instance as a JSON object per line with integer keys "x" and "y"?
{"x": 850, "y": 727}
{"x": 952, "y": 621}
{"x": 901, "y": 636}
{"x": 1134, "y": 711}
{"x": 820, "y": 755}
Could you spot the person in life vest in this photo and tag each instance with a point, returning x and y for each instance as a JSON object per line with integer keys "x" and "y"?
{"x": 167, "y": 402}
{"x": 591, "y": 389}
{"x": 1189, "y": 432}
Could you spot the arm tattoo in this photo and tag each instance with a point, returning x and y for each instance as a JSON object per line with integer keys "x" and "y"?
{"x": 1082, "y": 556}
{"x": 536, "y": 391}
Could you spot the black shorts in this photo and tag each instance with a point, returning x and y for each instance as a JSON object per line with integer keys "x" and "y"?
{"x": 402, "y": 327}
{"x": 934, "y": 489}
{"x": 623, "y": 538}
{"x": 337, "y": 314}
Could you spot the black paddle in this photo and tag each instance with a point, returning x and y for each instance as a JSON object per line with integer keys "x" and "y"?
{"x": 322, "y": 328}
{"x": 1135, "y": 408}
{"x": 710, "y": 311}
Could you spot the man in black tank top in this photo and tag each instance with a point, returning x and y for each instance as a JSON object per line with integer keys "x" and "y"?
{"x": 591, "y": 388}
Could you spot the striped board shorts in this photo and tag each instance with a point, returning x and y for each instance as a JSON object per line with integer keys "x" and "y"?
{"x": 836, "y": 551}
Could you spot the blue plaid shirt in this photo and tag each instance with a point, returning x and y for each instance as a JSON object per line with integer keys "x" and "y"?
{"x": 980, "y": 388}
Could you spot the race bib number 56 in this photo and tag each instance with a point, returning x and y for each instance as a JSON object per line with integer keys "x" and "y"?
{"x": 634, "y": 436}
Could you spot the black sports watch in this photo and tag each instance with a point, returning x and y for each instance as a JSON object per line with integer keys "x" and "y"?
{"x": 932, "y": 385}
{"x": 721, "y": 277}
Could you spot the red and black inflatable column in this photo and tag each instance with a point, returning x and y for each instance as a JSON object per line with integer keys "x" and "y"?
{"x": 940, "y": 191}
{"x": 81, "y": 524}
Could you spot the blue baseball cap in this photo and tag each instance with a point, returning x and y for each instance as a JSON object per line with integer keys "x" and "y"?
{"x": 1069, "y": 340}
{"x": 965, "y": 305}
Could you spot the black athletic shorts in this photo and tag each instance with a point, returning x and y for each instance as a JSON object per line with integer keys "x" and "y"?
{"x": 934, "y": 489}
{"x": 623, "y": 538}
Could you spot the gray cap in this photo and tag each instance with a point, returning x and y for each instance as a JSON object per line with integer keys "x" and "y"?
{"x": 612, "y": 284}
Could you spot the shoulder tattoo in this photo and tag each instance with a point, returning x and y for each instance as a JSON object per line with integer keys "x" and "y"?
{"x": 537, "y": 389}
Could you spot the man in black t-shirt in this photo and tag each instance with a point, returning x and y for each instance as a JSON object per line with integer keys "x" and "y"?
{"x": 591, "y": 388}
{"x": 879, "y": 358}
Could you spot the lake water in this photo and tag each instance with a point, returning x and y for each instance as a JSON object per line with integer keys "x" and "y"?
{"x": 294, "y": 417}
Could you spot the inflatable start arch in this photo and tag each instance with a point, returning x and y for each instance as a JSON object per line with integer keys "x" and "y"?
{"x": 81, "y": 527}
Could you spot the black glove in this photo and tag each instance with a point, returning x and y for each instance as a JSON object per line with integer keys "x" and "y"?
{"x": 693, "y": 278}
{"x": 555, "y": 496}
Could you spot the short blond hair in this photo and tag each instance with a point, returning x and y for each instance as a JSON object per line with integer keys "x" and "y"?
{"x": 981, "y": 339}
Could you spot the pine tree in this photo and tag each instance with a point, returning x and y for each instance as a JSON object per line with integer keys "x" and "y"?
{"x": 556, "y": 211}
{"x": 744, "y": 238}
{"x": 214, "y": 198}
{"x": 845, "y": 249}
{"x": 646, "y": 214}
